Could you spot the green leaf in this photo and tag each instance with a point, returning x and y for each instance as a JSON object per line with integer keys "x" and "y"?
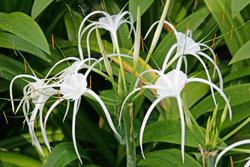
{"x": 144, "y": 5}
{"x": 25, "y": 27}
{"x": 239, "y": 94}
{"x": 8, "y": 159}
{"x": 240, "y": 36}
{"x": 39, "y": 6}
{"x": 170, "y": 132}
{"x": 193, "y": 21}
{"x": 242, "y": 53}
{"x": 7, "y": 39}
{"x": 237, "y": 74}
{"x": 169, "y": 157}
{"x": 63, "y": 154}
{"x": 238, "y": 5}
{"x": 72, "y": 24}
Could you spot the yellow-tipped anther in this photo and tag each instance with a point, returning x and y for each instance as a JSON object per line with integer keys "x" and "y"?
{"x": 195, "y": 4}
{"x": 223, "y": 17}
{"x": 59, "y": 96}
{"x": 14, "y": 48}
{"x": 53, "y": 41}
{"x": 90, "y": 82}
{"x": 141, "y": 89}
{"x": 5, "y": 118}
{"x": 186, "y": 30}
{"x": 1, "y": 70}
{"x": 142, "y": 44}
{"x": 213, "y": 41}
{"x": 25, "y": 66}
{"x": 215, "y": 60}
{"x": 174, "y": 30}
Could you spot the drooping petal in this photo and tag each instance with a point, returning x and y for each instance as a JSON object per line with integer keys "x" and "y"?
{"x": 145, "y": 121}
{"x": 230, "y": 147}
{"x": 104, "y": 109}
{"x": 215, "y": 87}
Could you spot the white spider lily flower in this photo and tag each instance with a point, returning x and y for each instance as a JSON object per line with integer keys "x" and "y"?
{"x": 110, "y": 23}
{"x": 230, "y": 147}
{"x": 38, "y": 94}
{"x": 187, "y": 46}
{"x": 72, "y": 88}
{"x": 171, "y": 85}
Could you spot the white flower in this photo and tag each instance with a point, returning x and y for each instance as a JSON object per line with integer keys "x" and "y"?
{"x": 72, "y": 87}
{"x": 230, "y": 147}
{"x": 110, "y": 23}
{"x": 187, "y": 46}
{"x": 171, "y": 85}
{"x": 38, "y": 94}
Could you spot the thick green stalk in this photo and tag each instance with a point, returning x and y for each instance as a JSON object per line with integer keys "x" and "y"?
{"x": 210, "y": 161}
{"x": 128, "y": 127}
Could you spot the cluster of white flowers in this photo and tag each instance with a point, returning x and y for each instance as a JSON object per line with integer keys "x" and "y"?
{"x": 72, "y": 85}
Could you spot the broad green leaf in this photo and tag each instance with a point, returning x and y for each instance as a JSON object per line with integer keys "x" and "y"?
{"x": 72, "y": 24}
{"x": 144, "y": 5}
{"x": 237, "y": 74}
{"x": 63, "y": 154}
{"x": 25, "y": 140}
{"x": 25, "y": 27}
{"x": 169, "y": 157}
{"x": 170, "y": 132}
{"x": 2, "y": 14}
{"x": 7, "y": 40}
{"x": 240, "y": 36}
{"x": 9, "y": 159}
{"x": 239, "y": 94}
{"x": 238, "y": 5}
{"x": 123, "y": 30}
{"x": 39, "y": 6}
{"x": 194, "y": 21}
{"x": 242, "y": 53}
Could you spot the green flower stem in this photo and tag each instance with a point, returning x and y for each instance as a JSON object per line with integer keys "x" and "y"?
{"x": 210, "y": 161}
{"x": 121, "y": 67}
{"x": 234, "y": 131}
{"x": 130, "y": 143}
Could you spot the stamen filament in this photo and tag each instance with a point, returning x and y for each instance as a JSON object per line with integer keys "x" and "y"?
{"x": 25, "y": 66}
{"x": 106, "y": 47}
{"x": 69, "y": 9}
{"x": 90, "y": 82}
{"x": 231, "y": 32}
{"x": 231, "y": 160}
{"x": 23, "y": 124}
{"x": 213, "y": 41}
{"x": 14, "y": 48}
{"x": 142, "y": 44}
{"x": 5, "y": 118}
{"x": 33, "y": 89}
{"x": 82, "y": 10}
{"x": 174, "y": 30}
{"x": 53, "y": 41}
{"x": 1, "y": 70}
{"x": 223, "y": 17}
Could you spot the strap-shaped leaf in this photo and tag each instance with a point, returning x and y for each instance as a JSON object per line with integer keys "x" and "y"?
{"x": 63, "y": 154}
{"x": 169, "y": 157}
{"x": 25, "y": 27}
{"x": 39, "y": 6}
{"x": 7, "y": 40}
{"x": 238, "y": 5}
{"x": 242, "y": 53}
{"x": 144, "y": 5}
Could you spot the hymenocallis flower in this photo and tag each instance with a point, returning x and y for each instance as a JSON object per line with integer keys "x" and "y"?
{"x": 187, "y": 46}
{"x": 171, "y": 85}
{"x": 72, "y": 88}
{"x": 230, "y": 147}
{"x": 38, "y": 93}
{"x": 110, "y": 23}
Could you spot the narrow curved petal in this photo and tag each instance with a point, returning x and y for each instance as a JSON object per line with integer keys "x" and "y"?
{"x": 145, "y": 121}
{"x": 165, "y": 63}
{"x": 104, "y": 109}
{"x": 230, "y": 147}
{"x": 182, "y": 126}
{"x": 215, "y": 87}
{"x": 11, "y": 84}
{"x": 248, "y": 163}
{"x": 73, "y": 128}
{"x": 67, "y": 109}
